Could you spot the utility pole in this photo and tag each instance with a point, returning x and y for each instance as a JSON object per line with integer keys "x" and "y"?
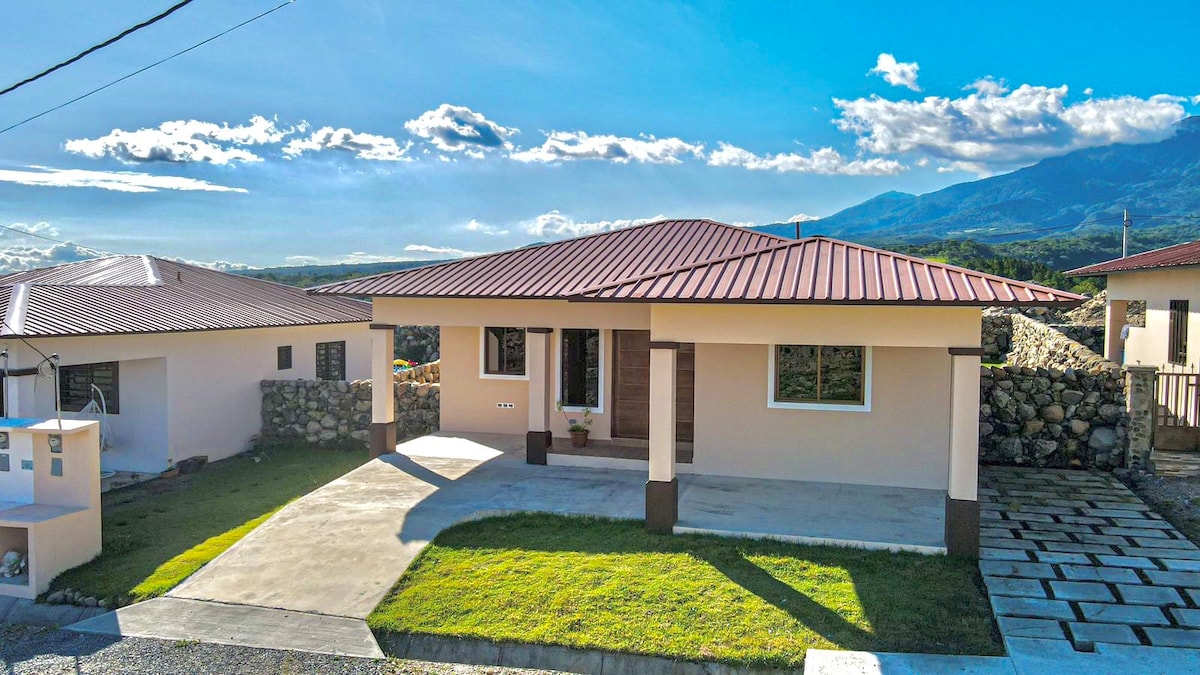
{"x": 1125, "y": 235}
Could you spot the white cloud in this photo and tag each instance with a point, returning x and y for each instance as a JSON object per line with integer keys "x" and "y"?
{"x": 743, "y": 223}
{"x": 183, "y": 141}
{"x": 361, "y": 145}
{"x": 1089, "y": 91}
{"x": 1196, "y": 100}
{"x": 43, "y": 229}
{"x": 484, "y": 228}
{"x": 454, "y": 128}
{"x": 802, "y": 218}
{"x": 896, "y": 73}
{"x": 218, "y": 265}
{"x": 571, "y": 145}
{"x": 439, "y": 250}
{"x": 301, "y": 260}
{"x": 992, "y": 128}
{"x": 825, "y": 161}
{"x": 29, "y": 256}
{"x": 554, "y": 223}
{"x": 988, "y": 86}
{"x": 120, "y": 181}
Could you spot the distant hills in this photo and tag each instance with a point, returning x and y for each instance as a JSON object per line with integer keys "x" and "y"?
{"x": 315, "y": 275}
{"x": 1050, "y": 198}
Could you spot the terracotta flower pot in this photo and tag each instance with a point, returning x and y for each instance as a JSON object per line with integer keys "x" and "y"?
{"x": 579, "y": 439}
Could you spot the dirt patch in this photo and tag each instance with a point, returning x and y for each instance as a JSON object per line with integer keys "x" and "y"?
{"x": 1176, "y": 498}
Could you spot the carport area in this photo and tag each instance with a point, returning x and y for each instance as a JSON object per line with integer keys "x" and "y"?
{"x": 307, "y": 578}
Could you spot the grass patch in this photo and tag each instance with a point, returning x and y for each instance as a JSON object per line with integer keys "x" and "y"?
{"x": 609, "y": 585}
{"x": 158, "y": 533}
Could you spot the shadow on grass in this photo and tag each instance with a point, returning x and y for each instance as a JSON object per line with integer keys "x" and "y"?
{"x": 156, "y": 533}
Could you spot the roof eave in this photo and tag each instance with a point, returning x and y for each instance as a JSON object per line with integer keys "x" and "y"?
{"x": 1065, "y": 304}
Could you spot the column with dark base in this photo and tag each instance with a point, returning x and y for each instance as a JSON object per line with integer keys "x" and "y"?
{"x": 537, "y": 350}
{"x": 383, "y": 399}
{"x": 962, "y": 492}
{"x": 662, "y": 490}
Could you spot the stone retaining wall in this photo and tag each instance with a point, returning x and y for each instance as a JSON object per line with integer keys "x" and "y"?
{"x": 325, "y": 411}
{"x": 418, "y": 343}
{"x": 1038, "y": 345}
{"x": 996, "y": 336}
{"x": 1042, "y": 417}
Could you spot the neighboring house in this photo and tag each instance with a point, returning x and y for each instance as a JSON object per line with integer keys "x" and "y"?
{"x": 810, "y": 359}
{"x": 1168, "y": 280}
{"x": 172, "y": 354}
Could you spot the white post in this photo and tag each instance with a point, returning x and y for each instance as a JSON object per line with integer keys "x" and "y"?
{"x": 662, "y": 489}
{"x": 383, "y": 397}
{"x": 1114, "y": 321}
{"x": 962, "y": 493}
{"x": 537, "y": 363}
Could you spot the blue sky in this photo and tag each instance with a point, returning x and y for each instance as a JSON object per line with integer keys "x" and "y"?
{"x": 359, "y": 131}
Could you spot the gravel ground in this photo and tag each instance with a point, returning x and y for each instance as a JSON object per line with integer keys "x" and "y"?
{"x": 25, "y": 649}
{"x": 1176, "y": 498}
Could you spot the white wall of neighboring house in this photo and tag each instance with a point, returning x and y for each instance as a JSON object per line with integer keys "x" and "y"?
{"x": 184, "y": 394}
{"x": 1147, "y": 345}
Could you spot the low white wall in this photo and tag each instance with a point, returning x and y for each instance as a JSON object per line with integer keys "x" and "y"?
{"x": 903, "y": 441}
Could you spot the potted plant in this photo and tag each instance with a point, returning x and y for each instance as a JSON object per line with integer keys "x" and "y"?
{"x": 578, "y": 427}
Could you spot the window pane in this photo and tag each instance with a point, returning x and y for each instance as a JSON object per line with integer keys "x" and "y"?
{"x": 581, "y": 367}
{"x": 795, "y": 373}
{"x": 504, "y": 351}
{"x": 842, "y": 374}
{"x": 75, "y": 386}
{"x": 331, "y": 360}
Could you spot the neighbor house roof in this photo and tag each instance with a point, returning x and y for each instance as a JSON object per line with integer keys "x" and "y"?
{"x": 705, "y": 261}
{"x": 143, "y": 294}
{"x": 1172, "y": 256}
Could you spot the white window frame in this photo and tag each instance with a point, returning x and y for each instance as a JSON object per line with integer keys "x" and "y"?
{"x": 601, "y": 364}
{"x": 483, "y": 374}
{"x": 864, "y": 407}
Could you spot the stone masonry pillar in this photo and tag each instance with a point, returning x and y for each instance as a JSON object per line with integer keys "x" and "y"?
{"x": 383, "y": 398}
{"x": 1140, "y": 402}
{"x": 962, "y": 490}
{"x": 1114, "y": 321}
{"x": 662, "y": 489}
{"x": 538, "y": 360}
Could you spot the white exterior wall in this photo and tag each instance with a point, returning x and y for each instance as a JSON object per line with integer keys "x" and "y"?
{"x": 185, "y": 394}
{"x": 1148, "y": 346}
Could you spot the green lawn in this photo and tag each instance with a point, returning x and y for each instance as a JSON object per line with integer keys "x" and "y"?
{"x": 158, "y": 533}
{"x": 609, "y": 585}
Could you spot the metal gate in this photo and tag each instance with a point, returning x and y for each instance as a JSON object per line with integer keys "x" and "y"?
{"x": 1178, "y": 400}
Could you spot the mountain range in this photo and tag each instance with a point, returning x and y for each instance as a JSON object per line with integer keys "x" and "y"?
{"x": 1057, "y": 196}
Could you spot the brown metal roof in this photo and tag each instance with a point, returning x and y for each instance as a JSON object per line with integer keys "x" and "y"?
{"x": 819, "y": 270}
{"x": 1172, "y": 256}
{"x": 566, "y": 267}
{"x": 143, "y": 294}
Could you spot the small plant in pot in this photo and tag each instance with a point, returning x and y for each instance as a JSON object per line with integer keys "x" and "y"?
{"x": 577, "y": 426}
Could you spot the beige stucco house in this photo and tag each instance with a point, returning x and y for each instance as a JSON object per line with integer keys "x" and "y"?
{"x": 170, "y": 354}
{"x": 719, "y": 350}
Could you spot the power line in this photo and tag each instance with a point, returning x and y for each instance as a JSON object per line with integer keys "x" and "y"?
{"x": 57, "y": 241}
{"x": 142, "y": 70}
{"x": 1052, "y": 229}
{"x": 98, "y": 47}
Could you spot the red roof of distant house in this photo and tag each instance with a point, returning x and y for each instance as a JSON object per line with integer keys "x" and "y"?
{"x": 819, "y": 270}
{"x": 704, "y": 261}
{"x": 143, "y": 294}
{"x": 1171, "y": 256}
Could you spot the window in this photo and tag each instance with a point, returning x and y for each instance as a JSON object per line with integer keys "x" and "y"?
{"x": 821, "y": 377}
{"x": 331, "y": 360}
{"x": 283, "y": 358}
{"x": 504, "y": 352}
{"x": 1177, "y": 349}
{"x": 76, "y": 382}
{"x": 580, "y": 382}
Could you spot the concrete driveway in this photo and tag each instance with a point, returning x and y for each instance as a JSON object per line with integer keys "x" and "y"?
{"x": 308, "y": 577}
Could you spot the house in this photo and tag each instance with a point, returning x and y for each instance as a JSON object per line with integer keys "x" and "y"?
{"x": 1168, "y": 280}
{"x": 167, "y": 356}
{"x": 722, "y": 350}
{"x": 49, "y": 501}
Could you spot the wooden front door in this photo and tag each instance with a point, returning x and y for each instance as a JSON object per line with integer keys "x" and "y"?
{"x": 631, "y": 386}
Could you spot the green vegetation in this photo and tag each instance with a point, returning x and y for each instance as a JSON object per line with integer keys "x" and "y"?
{"x": 158, "y": 533}
{"x": 990, "y": 259}
{"x": 609, "y": 585}
{"x": 306, "y": 276}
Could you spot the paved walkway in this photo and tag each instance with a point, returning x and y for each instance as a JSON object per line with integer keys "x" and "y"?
{"x": 1076, "y": 558}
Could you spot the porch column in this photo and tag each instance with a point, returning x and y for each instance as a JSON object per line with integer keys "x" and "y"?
{"x": 12, "y": 388}
{"x": 383, "y": 397}
{"x": 962, "y": 494}
{"x": 662, "y": 490}
{"x": 1114, "y": 321}
{"x": 537, "y": 364}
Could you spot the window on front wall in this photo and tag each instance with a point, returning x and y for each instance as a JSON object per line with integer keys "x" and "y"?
{"x": 331, "y": 360}
{"x": 504, "y": 351}
{"x": 820, "y": 375}
{"x": 580, "y": 385}
{"x": 283, "y": 358}
{"x": 1177, "y": 336}
{"x": 75, "y": 384}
